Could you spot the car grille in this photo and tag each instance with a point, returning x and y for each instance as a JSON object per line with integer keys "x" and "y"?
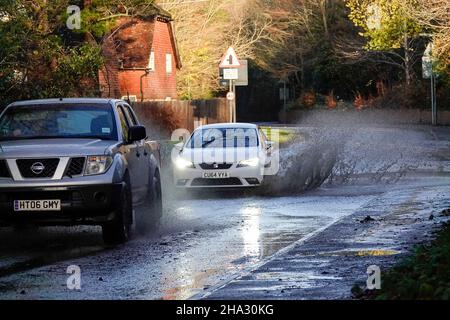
{"x": 216, "y": 182}
{"x": 76, "y": 166}
{"x": 49, "y": 167}
{"x": 4, "y": 172}
{"x": 71, "y": 196}
{"x": 215, "y": 166}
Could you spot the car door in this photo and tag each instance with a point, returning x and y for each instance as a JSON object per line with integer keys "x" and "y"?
{"x": 142, "y": 178}
{"x": 131, "y": 154}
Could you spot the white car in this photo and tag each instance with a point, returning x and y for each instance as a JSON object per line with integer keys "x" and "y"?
{"x": 222, "y": 155}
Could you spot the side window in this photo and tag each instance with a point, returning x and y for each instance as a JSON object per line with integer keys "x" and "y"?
{"x": 130, "y": 116}
{"x": 123, "y": 122}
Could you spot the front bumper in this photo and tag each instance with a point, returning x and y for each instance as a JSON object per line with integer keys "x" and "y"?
{"x": 80, "y": 204}
{"x": 237, "y": 178}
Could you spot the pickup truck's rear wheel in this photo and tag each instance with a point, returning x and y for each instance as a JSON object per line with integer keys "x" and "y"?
{"x": 149, "y": 219}
{"x": 118, "y": 230}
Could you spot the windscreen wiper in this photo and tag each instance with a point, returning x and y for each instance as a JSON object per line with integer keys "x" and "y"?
{"x": 206, "y": 143}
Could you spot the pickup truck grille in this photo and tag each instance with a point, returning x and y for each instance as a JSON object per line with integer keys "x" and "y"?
{"x": 37, "y": 168}
{"x": 4, "y": 172}
{"x": 76, "y": 166}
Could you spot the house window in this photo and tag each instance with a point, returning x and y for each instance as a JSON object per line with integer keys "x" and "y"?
{"x": 168, "y": 63}
{"x": 151, "y": 61}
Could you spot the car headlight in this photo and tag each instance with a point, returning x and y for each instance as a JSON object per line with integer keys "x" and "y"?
{"x": 97, "y": 165}
{"x": 182, "y": 163}
{"x": 253, "y": 162}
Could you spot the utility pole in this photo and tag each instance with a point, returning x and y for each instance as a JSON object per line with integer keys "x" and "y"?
{"x": 433, "y": 99}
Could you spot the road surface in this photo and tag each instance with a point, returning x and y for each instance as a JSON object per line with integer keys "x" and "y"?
{"x": 209, "y": 238}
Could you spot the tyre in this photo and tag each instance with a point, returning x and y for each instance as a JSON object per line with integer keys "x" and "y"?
{"x": 118, "y": 230}
{"x": 151, "y": 213}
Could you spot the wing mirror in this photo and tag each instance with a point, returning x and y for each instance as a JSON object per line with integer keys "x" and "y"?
{"x": 136, "y": 133}
{"x": 269, "y": 144}
{"x": 179, "y": 146}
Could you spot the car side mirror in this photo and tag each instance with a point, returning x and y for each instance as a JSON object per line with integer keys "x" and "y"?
{"x": 269, "y": 144}
{"x": 136, "y": 133}
{"x": 179, "y": 146}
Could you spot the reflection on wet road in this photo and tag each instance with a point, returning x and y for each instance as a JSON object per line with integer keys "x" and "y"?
{"x": 203, "y": 242}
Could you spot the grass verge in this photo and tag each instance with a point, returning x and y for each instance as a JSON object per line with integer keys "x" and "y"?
{"x": 423, "y": 275}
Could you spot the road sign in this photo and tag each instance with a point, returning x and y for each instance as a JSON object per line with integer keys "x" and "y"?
{"x": 230, "y": 74}
{"x": 242, "y": 79}
{"x": 243, "y": 74}
{"x": 427, "y": 62}
{"x": 230, "y": 59}
{"x": 230, "y": 96}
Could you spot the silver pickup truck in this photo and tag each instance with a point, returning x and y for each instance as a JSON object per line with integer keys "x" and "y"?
{"x": 78, "y": 162}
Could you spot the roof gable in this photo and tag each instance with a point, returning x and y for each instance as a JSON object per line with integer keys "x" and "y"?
{"x": 133, "y": 37}
{"x": 133, "y": 41}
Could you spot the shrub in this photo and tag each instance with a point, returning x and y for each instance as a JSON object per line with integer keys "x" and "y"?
{"x": 330, "y": 100}
{"x": 359, "y": 102}
{"x": 308, "y": 98}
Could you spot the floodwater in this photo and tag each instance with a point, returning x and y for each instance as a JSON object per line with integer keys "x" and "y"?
{"x": 209, "y": 238}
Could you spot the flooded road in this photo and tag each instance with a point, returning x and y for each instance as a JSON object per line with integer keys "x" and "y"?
{"x": 203, "y": 242}
{"x": 209, "y": 238}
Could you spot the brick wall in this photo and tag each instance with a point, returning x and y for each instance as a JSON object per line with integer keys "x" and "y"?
{"x": 108, "y": 76}
{"x": 134, "y": 44}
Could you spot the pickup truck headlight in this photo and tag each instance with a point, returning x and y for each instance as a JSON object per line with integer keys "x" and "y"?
{"x": 253, "y": 162}
{"x": 182, "y": 163}
{"x": 97, "y": 165}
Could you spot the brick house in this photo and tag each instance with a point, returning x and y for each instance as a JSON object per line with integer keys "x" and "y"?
{"x": 141, "y": 59}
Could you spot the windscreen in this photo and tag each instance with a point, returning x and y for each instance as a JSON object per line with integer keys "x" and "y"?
{"x": 224, "y": 138}
{"x": 58, "y": 121}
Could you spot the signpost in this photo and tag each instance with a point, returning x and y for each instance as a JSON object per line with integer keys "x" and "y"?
{"x": 230, "y": 64}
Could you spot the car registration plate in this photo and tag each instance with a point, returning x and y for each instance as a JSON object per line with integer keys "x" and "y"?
{"x": 215, "y": 175}
{"x": 37, "y": 205}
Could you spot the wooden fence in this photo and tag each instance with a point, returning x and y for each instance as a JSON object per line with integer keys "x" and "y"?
{"x": 187, "y": 112}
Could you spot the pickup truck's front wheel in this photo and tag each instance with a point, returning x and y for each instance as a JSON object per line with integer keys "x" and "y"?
{"x": 118, "y": 230}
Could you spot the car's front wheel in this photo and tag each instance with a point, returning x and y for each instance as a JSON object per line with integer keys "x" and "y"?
{"x": 118, "y": 230}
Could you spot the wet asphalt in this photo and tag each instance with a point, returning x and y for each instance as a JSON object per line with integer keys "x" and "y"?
{"x": 209, "y": 238}
{"x": 201, "y": 242}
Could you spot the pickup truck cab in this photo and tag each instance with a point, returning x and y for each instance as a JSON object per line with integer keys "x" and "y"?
{"x": 78, "y": 162}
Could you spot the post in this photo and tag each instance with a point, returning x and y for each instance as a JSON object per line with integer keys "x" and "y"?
{"x": 433, "y": 100}
{"x": 234, "y": 101}
{"x": 230, "y": 103}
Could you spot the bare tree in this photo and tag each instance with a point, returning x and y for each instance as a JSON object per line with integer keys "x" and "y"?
{"x": 204, "y": 31}
{"x": 435, "y": 16}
